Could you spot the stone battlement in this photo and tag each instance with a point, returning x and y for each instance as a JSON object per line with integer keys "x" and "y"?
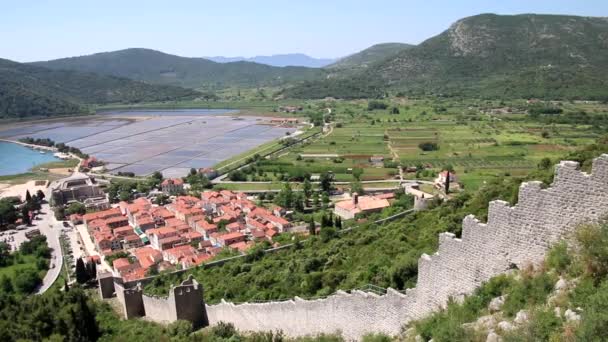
{"x": 513, "y": 237}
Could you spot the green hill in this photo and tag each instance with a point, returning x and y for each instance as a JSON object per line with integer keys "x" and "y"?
{"x": 371, "y": 55}
{"x": 488, "y": 55}
{"x": 160, "y": 68}
{"x": 28, "y": 90}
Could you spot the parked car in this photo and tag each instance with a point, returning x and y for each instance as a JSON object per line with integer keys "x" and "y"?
{"x": 66, "y": 224}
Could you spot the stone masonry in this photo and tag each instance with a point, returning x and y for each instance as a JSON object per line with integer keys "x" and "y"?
{"x": 513, "y": 237}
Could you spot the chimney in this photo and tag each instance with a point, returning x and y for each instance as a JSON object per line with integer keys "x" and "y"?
{"x": 355, "y": 198}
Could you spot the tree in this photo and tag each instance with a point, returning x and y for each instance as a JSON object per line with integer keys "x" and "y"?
{"x": 92, "y": 269}
{"x": 338, "y": 222}
{"x": 544, "y": 164}
{"x": 298, "y": 201}
{"x": 81, "y": 273}
{"x": 285, "y": 198}
{"x": 76, "y": 208}
{"x": 328, "y": 233}
{"x": 40, "y": 195}
{"x": 357, "y": 187}
{"x": 8, "y": 213}
{"x": 325, "y": 200}
{"x": 357, "y": 172}
{"x": 447, "y": 182}
{"x": 312, "y": 228}
{"x": 326, "y": 179}
{"x": 428, "y": 146}
{"x": 27, "y": 281}
{"x": 315, "y": 201}
{"x": 28, "y": 196}
{"x": 25, "y": 215}
{"x": 66, "y": 287}
{"x": 6, "y": 285}
{"x": 59, "y": 213}
{"x": 307, "y": 189}
{"x": 395, "y": 110}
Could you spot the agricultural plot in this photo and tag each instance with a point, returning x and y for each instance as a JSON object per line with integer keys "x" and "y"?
{"x": 478, "y": 145}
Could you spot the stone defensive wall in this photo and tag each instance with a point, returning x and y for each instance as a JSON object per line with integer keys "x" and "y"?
{"x": 515, "y": 236}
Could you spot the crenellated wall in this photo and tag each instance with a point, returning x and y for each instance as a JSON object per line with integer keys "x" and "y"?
{"x": 513, "y": 236}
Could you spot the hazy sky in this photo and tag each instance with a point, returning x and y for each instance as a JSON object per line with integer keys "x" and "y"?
{"x": 44, "y": 29}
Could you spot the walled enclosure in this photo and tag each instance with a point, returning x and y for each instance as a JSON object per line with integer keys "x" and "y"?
{"x": 518, "y": 235}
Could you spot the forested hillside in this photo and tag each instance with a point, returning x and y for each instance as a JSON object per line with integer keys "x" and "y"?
{"x": 27, "y": 90}
{"x": 373, "y": 54}
{"x": 520, "y": 56}
{"x": 161, "y": 68}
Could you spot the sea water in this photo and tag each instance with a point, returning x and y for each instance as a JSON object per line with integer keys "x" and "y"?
{"x": 15, "y": 158}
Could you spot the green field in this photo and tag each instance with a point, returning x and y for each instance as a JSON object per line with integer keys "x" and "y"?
{"x": 479, "y": 139}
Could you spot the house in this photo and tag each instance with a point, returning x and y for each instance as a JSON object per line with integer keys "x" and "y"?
{"x": 172, "y": 186}
{"x": 106, "y": 242}
{"x": 208, "y": 172}
{"x": 377, "y": 161}
{"x": 205, "y": 228}
{"x": 132, "y": 241}
{"x": 161, "y": 234}
{"x": 121, "y": 232}
{"x": 148, "y": 257}
{"x": 176, "y": 254}
{"x": 190, "y": 237}
{"x": 230, "y": 238}
{"x": 124, "y": 265}
{"x": 360, "y": 204}
{"x": 115, "y": 222}
{"x": 90, "y": 163}
{"x": 242, "y": 246}
{"x": 443, "y": 176}
{"x": 235, "y": 227}
{"x": 289, "y": 109}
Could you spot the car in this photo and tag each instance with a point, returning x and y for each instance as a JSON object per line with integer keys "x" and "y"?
{"x": 66, "y": 224}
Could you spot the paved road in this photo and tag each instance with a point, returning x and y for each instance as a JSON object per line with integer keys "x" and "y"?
{"x": 51, "y": 228}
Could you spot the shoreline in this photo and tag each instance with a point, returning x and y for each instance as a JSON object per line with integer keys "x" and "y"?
{"x": 32, "y": 146}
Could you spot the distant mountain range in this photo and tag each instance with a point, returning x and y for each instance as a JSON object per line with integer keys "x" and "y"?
{"x": 488, "y": 55}
{"x": 29, "y": 90}
{"x": 160, "y": 68}
{"x": 282, "y": 60}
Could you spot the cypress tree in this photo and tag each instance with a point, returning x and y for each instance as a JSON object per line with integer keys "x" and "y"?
{"x": 81, "y": 273}
{"x": 311, "y": 227}
{"x": 25, "y": 215}
{"x": 92, "y": 270}
{"x": 28, "y": 196}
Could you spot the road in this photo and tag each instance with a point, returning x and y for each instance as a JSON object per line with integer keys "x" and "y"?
{"x": 51, "y": 228}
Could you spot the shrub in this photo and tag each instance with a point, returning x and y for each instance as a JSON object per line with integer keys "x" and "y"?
{"x": 558, "y": 257}
{"x": 373, "y": 105}
{"x": 428, "y": 146}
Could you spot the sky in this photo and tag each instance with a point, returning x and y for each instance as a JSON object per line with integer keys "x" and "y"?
{"x": 32, "y": 30}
